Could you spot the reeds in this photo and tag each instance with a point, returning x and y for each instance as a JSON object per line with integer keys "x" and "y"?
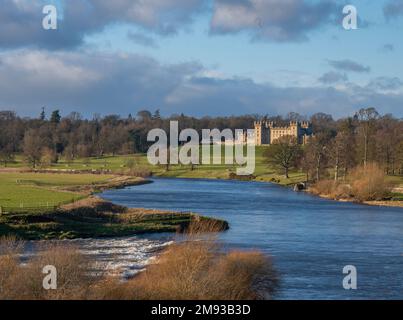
{"x": 196, "y": 267}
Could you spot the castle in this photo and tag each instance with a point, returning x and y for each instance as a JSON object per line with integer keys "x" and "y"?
{"x": 266, "y": 132}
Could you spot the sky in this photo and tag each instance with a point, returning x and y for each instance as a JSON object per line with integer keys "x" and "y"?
{"x": 201, "y": 57}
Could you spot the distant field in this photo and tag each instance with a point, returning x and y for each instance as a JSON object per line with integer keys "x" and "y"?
{"x": 398, "y": 180}
{"x": 21, "y": 190}
{"x": 118, "y": 164}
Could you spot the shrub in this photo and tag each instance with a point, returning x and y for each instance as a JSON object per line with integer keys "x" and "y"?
{"x": 368, "y": 183}
{"x": 199, "y": 270}
{"x": 24, "y": 281}
{"x": 194, "y": 268}
{"x": 139, "y": 171}
{"x": 342, "y": 191}
{"x": 324, "y": 187}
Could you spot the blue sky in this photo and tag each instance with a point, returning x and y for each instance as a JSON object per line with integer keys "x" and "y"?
{"x": 202, "y": 57}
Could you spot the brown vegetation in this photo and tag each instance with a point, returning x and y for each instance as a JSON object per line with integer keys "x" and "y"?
{"x": 368, "y": 183}
{"x": 24, "y": 281}
{"x": 365, "y": 183}
{"x": 195, "y": 268}
{"x": 115, "y": 183}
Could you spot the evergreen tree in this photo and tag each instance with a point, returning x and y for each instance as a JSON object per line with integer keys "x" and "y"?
{"x": 42, "y": 115}
{"x": 55, "y": 117}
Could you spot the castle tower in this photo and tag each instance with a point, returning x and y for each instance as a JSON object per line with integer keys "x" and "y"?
{"x": 267, "y": 132}
{"x": 258, "y": 132}
{"x": 305, "y": 125}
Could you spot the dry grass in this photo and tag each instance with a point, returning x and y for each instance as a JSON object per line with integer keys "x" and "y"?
{"x": 25, "y": 281}
{"x": 198, "y": 271}
{"x": 324, "y": 187}
{"x": 195, "y": 268}
{"x": 364, "y": 184}
{"x": 332, "y": 189}
{"x": 368, "y": 183}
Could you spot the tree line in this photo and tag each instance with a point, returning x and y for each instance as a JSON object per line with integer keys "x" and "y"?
{"x": 47, "y": 138}
{"x": 338, "y": 144}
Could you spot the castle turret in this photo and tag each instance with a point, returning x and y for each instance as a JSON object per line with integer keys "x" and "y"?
{"x": 305, "y": 125}
{"x": 293, "y": 123}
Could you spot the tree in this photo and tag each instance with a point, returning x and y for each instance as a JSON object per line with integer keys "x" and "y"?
{"x": 366, "y": 127}
{"x": 157, "y": 115}
{"x": 32, "y": 147}
{"x": 322, "y": 122}
{"x": 48, "y": 157}
{"x": 340, "y": 148}
{"x": 284, "y": 154}
{"x": 42, "y": 116}
{"x": 55, "y": 117}
{"x": 387, "y": 137}
{"x": 144, "y": 115}
{"x": 7, "y": 147}
{"x": 316, "y": 153}
{"x": 6, "y": 154}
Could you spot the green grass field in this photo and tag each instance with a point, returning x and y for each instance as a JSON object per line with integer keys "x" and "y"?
{"x": 24, "y": 190}
{"x": 27, "y": 189}
{"x": 118, "y": 164}
{"x": 19, "y": 191}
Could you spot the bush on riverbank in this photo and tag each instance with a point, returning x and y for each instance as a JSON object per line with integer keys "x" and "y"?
{"x": 195, "y": 268}
{"x": 368, "y": 183}
{"x": 365, "y": 183}
{"x": 199, "y": 271}
{"x": 25, "y": 281}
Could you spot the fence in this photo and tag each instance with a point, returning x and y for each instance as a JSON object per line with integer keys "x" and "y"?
{"x": 38, "y": 207}
{"x": 27, "y": 209}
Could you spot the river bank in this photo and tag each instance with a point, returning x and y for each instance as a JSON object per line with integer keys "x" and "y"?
{"x": 378, "y": 203}
{"x": 73, "y": 211}
{"x": 96, "y": 218}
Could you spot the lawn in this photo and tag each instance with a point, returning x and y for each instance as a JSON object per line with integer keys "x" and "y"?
{"x": 118, "y": 164}
{"x": 23, "y": 190}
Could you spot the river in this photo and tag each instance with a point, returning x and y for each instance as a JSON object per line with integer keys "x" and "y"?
{"x": 310, "y": 239}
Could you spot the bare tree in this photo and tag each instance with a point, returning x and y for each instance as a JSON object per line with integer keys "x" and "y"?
{"x": 367, "y": 121}
{"x": 284, "y": 154}
{"x": 32, "y": 147}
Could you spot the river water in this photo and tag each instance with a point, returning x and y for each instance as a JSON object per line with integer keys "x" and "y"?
{"x": 310, "y": 239}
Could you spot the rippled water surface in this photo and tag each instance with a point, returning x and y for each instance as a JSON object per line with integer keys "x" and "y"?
{"x": 122, "y": 257}
{"x": 310, "y": 239}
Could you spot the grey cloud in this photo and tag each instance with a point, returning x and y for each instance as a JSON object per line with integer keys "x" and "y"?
{"x": 119, "y": 83}
{"x": 141, "y": 39}
{"x": 86, "y": 82}
{"x": 333, "y": 77}
{"x": 393, "y": 9}
{"x": 349, "y": 66}
{"x": 385, "y": 83}
{"x": 21, "y": 21}
{"x": 388, "y": 47}
{"x": 273, "y": 20}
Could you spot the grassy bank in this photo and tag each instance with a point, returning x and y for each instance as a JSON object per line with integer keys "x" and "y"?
{"x": 60, "y": 206}
{"x": 22, "y": 189}
{"x": 22, "y": 192}
{"x": 95, "y": 218}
